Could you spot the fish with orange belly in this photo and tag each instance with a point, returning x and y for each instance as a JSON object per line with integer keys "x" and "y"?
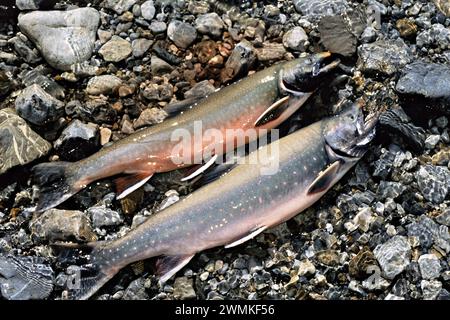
{"x": 260, "y": 101}
{"x": 240, "y": 204}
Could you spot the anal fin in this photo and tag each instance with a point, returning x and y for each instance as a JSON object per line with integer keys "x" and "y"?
{"x": 273, "y": 112}
{"x": 127, "y": 184}
{"x": 251, "y": 235}
{"x": 324, "y": 178}
{"x": 167, "y": 266}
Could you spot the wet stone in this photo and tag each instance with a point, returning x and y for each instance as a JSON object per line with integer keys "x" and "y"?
{"x": 63, "y": 37}
{"x": 103, "y": 84}
{"x": 116, "y": 49}
{"x": 37, "y": 106}
{"x": 209, "y": 23}
{"x": 66, "y": 225}
{"x": 25, "y": 278}
{"x": 393, "y": 256}
{"x": 19, "y": 144}
{"x": 383, "y": 57}
{"x": 433, "y": 182}
{"x": 296, "y": 39}
{"x": 77, "y": 141}
{"x": 430, "y": 266}
{"x": 319, "y": 8}
{"x": 181, "y": 33}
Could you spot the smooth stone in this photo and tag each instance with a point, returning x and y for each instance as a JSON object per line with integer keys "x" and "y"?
{"x": 296, "y": 39}
{"x": 148, "y": 10}
{"x": 63, "y": 37}
{"x": 116, "y": 49}
{"x": 19, "y": 144}
{"x": 159, "y": 66}
{"x": 140, "y": 47}
{"x": 103, "y": 84}
{"x": 181, "y": 33}
{"x": 119, "y": 6}
{"x": 209, "y": 23}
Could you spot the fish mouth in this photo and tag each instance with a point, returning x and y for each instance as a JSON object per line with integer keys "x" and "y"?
{"x": 367, "y": 132}
{"x": 326, "y": 63}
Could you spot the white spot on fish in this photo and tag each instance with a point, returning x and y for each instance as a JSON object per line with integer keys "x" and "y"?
{"x": 267, "y": 79}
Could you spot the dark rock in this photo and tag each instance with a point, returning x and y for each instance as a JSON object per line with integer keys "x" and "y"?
{"x": 433, "y": 182}
{"x": 28, "y": 54}
{"x": 159, "y": 66}
{"x": 390, "y": 189}
{"x": 63, "y": 37}
{"x": 19, "y": 144}
{"x": 35, "y": 77}
{"x": 181, "y": 33}
{"x": 77, "y": 141}
{"x": 5, "y": 83}
{"x": 25, "y": 278}
{"x": 136, "y": 290}
{"x": 63, "y": 225}
{"x": 38, "y": 107}
{"x": 336, "y": 36}
{"x": 200, "y": 89}
{"x": 429, "y": 232}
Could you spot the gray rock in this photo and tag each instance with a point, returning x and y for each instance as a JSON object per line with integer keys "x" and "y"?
{"x": 6, "y": 83}
{"x": 63, "y": 37}
{"x": 104, "y": 217}
{"x": 383, "y": 57}
{"x": 436, "y": 36}
{"x": 430, "y": 266}
{"x": 150, "y": 116}
{"x": 430, "y": 289}
{"x": 271, "y": 51}
{"x": 140, "y": 47}
{"x": 148, "y": 10}
{"x": 200, "y": 89}
{"x": 296, "y": 39}
{"x": 429, "y": 232}
{"x": 159, "y": 66}
{"x": 116, "y": 49}
{"x": 28, "y": 54}
{"x": 210, "y": 24}
{"x": 103, "y": 84}
{"x": 157, "y": 27}
{"x": 442, "y": 122}
{"x": 19, "y": 144}
{"x": 37, "y": 106}
{"x": 336, "y": 36}
{"x": 35, "y": 4}
{"x": 393, "y": 256}
{"x": 369, "y": 35}
{"x": 433, "y": 182}
{"x": 444, "y": 218}
{"x": 77, "y": 141}
{"x": 432, "y": 141}
{"x": 390, "y": 189}
{"x": 242, "y": 58}
{"x": 25, "y": 278}
{"x": 183, "y": 289}
{"x": 427, "y": 80}
{"x": 136, "y": 290}
{"x": 35, "y": 77}
{"x": 181, "y": 33}
{"x": 65, "y": 225}
{"x": 119, "y": 6}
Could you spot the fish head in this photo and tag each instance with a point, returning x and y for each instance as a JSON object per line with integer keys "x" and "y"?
{"x": 348, "y": 135}
{"x": 307, "y": 73}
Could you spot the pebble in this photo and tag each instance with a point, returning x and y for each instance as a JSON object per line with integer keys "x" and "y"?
{"x": 116, "y": 49}
{"x": 105, "y": 135}
{"x": 183, "y": 289}
{"x": 181, "y": 33}
{"x": 433, "y": 182}
{"x": 119, "y": 6}
{"x": 140, "y": 47}
{"x": 149, "y": 116}
{"x": 296, "y": 39}
{"x": 430, "y": 266}
{"x": 37, "y": 106}
{"x": 430, "y": 289}
{"x": 20, "y": 144}
{"x": 210, "y": 24}
{"x": 25, "y": 278}
{"x": 158, "y": 27}
{"x": 270, "y": 52}
{"x": 103, "y": 84}
{"x": 444, "y": 218}
{"x": 159, "y": 66}
{"x": 63, "y": 37}
{"x": 393, "y": 256}
{"x": 241, "y": 60}
{"x": 66, "y": 225}
{"x": 148, "y": 10}
{"x": 77, "y": 141}
{"x": 432, "y": 141}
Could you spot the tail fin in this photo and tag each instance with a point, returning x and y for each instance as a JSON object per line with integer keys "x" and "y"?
{"x": 86, "y": 280}
{"x": 54, "y": 182}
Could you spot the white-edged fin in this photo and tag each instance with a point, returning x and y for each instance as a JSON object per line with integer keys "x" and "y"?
{"x": 201, "y": 169}
{"x": 272, "y": 112}
{"x": 167, "y": 266}
{"x": 324, "y": 178}
{"x": 247, "y": 237}
{"x": 133, "y": 188}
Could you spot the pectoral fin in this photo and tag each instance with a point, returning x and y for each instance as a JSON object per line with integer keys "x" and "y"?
{"x": 251, "y": 235}
{"x": 167, "y": 266}
{"x": 324, "y": 179}
{"x": 127, "y": 184}
{"x": 201, "y": 169}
